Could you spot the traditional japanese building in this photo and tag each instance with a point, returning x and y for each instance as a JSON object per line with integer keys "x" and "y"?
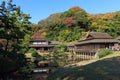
{"x": 118, "y": 48}
{"x": 95, "y": 41}
{"x": 88, "y": 47}
{"x": 42, "y": 44}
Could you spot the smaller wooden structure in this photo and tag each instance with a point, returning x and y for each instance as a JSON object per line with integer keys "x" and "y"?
{"x": 42, "y": 44}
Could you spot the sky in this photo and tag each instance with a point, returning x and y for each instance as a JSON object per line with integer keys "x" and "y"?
{"x": 41, "y": 9}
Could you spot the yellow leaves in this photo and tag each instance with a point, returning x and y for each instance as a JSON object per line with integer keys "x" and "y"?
{"x": 68, "y": 31}
{"x": 43, "y": 34}
{"x": 91, "y": 16}
{"x": 94, "y": 24}
{"x": 106, "y": 27}
{"x": 108, "y": 16}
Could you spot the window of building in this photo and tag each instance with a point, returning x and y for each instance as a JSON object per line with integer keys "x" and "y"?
{"x": 40, "y": 42}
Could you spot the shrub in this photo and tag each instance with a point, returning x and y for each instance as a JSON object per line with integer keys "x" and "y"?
{"x": 104, "y": 52}
{"x": 33, "y": 52}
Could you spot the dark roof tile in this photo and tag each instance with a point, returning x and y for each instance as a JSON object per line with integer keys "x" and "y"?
{"x": 98, "y": 35}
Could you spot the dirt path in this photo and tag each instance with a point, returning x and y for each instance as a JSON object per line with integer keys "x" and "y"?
{"x": 81, "y": 63}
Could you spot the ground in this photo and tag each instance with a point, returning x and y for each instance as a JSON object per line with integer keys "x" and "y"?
{"x": 107, "y": 68}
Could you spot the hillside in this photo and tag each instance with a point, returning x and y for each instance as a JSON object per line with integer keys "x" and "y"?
{"x": 75, "y": 23}
{"x": 106, "y": 68}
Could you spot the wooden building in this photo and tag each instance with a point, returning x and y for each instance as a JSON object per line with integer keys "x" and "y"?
{"x": 118, "y": 47}
{"x": 95, "y": 41}
{"x": 88, "y": 47}
{"x": 41, "y": 43}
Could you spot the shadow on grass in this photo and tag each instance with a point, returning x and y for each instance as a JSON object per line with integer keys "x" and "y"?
{"x": 106, "y": 69}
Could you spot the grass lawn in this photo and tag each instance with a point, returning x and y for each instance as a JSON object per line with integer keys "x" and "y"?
{"x": 107, "y": 68}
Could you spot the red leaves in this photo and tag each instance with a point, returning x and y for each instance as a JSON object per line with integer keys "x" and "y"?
{"x": 69, "y": 21}
{"x": 39, "y": 34}
{"x": 36, "y": 35}
{"x": 75, "y": 8}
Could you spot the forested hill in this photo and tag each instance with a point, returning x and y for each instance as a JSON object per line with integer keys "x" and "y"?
{"x": 75, "y": 23}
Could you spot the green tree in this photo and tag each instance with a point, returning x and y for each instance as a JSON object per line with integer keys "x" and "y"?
{"x": 15, "y": 28}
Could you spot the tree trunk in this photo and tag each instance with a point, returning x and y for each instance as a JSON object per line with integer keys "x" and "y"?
{"x": 6, "y": 46}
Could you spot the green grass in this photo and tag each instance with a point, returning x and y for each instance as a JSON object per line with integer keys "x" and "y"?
{"x": 107, "y": 68}
{"x": 112, "y": 55}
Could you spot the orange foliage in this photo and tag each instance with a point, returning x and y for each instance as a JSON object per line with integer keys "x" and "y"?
{"x": 91, "y": 16}
{"x": 94, "y": 24}
{"x": 75, "y": 8}
{"x": 109, "y": 15}
{"x": 36, "y": 35}
{"x": 39, "y": 34}
{"x": 70, "y": 21}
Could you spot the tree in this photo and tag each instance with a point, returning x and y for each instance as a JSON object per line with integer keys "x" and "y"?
{"x": 70, "y": 21}
{"x": 15, "y": 28}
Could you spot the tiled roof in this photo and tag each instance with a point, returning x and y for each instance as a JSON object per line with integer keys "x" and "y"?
{"x": 98, "y": 35}
{"x": 54, "y": 42}
{"x": 97, "y": 41}
{"x": 118, "y": 39}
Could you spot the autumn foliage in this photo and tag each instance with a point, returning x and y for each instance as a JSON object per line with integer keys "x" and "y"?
{"x": 78, "y": 21}
{"x": 76, "y": 8}
{"x": 70, "y": 21}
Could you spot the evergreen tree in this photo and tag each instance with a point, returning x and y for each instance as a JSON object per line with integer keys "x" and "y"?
{"x": 15, "y": 29}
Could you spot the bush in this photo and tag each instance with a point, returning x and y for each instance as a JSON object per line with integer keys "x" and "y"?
{"x": 104, "y": 52}
{"x": 33, "y": 52}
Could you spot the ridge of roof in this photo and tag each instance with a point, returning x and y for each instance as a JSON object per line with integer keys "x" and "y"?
{"x": 98, "y": 35}
{"x": 97, "y": 41}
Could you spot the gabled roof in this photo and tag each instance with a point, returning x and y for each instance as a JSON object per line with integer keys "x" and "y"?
{"x": 97, "y": 41}
{"x": 98, "y": 35}
{"x": 118, "y": 39}
{"x": 54, "y": 42}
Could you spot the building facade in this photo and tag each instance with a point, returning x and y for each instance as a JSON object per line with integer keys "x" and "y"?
{"x": 95, "y": 41}
{"x": 42, "y": 44}
{"x": 88, "y": 47}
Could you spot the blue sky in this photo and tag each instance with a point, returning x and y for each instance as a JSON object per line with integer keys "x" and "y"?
{"x": 41, "y": 9}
